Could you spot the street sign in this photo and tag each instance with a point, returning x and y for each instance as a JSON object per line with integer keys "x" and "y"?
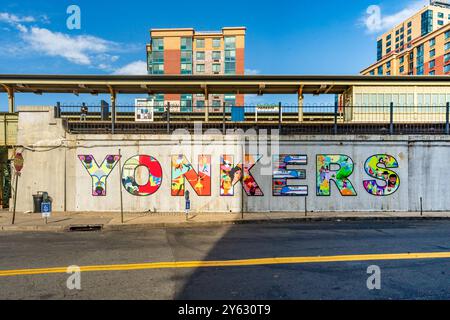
{"x": 18, "y": 162}
{"x": 46, "y": 208}
{"x": 188, "y": 205}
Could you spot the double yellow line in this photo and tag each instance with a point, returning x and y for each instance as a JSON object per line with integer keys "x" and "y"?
{"x": 231, "y": 263}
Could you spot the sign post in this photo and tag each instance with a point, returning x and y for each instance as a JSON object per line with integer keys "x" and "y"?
{"x": 18, "y": 166}
{"x": 188, "y": 204}
{"x": 46, "y": 208}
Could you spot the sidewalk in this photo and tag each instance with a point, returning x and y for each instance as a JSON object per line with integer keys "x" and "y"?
{"x": 112, "y": 221}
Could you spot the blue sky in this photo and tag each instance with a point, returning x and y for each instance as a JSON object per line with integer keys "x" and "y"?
{"x": 283, "y": 37}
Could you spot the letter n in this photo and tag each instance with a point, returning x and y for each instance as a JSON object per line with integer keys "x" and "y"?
{"x": 182, "y": 169}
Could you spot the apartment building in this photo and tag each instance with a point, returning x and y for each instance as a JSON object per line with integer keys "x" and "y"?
{"x": 185, "y": 51}
{"x": 420, "y": 45}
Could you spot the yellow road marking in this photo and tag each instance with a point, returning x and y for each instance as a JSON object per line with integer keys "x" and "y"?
{"x": 232, "y": 263}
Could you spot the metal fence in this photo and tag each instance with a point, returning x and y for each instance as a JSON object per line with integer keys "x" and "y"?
{"x": 287, "y": 119}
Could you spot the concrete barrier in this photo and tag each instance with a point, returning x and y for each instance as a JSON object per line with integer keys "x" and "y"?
{"x": 286, "y": 174}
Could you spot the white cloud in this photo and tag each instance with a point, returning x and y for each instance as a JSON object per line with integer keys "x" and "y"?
{"x": 375, "y": 21}
{"x": 133, "y": 68}
{"x": 252, "y": 72}
{"x": 82, "y": 50}
{"x": 14, "y": 19}
{"x": 85, "y": 50}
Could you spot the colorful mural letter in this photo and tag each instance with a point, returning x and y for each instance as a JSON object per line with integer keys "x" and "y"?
{"x": 340, "y": 177}
{"x": 282, "y": 174}
{"x": 152, "y": 182}
{"x": 230, "y": 175}
{"x": 99, "y": 174}
{"x": 378, "y": 167}
{"x": 182, "y": 170}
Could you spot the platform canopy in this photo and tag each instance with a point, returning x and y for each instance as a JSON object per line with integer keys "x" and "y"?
{"x": 189, "y": 84}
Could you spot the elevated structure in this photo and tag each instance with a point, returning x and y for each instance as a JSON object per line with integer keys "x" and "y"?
{"x": 355, "y": 91}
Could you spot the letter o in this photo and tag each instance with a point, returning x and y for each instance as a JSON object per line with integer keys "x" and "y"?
{"x": 155, "y": 176}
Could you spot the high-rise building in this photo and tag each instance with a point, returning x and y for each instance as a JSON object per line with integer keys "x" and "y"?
{"x": 420, "y": 45}
{"x": 190, "y": 52}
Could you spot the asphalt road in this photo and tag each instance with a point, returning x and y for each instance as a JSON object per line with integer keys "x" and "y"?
{"x": 400, "y": 279}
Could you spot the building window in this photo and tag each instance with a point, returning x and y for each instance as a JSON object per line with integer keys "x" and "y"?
{"x": 216, "y": 42}
{"x": 379, "y": 50}
{"x": 157, "y": 44}
{"x": 409, "y": 31}
{"x": 427, "y": 22}
{"x": 440, "y": 15}
{"x": 200, "y": 43}
{"x": 420, "y": 59}
{"x": 432, "y": 42}
{"x": 380, "y": 70}
{"x": 388, "y": 50}
{"x": 200, "y": 68}
{"x": 409, "y": 39}
{"x": 186, "y": 103}
{"x": 402, "y": 60}
{"x": 447, "y": 35}
{"x": 200, "y": 55}
{"x": 388, "y": 44}
{"x": 388, "y": 37}
{"x": 186, "y": 57}
{"x": 216, "y": 67}
{"x": 372, "y": 72}
{"x": 388, "y": 65}
{"x": 447, "y": 57}
{"x": 200, "y": 104}
{"x": 157, "y": 69}
{"x": 230, "y": 67}
{"x": 440, "y": 22}
{"x": 410, "y": 24}
{"x": 186, "y": 43}
{"x": 388, "y": 73}
{"x": 230, "y": 43}
{"x": 447, "y": 68}
{"x": 216, "y": 55}
{"x": 432, "y": 73}
{"x": 402, "y": 69}
{"x": 447, "y": 46}
{"x": 186, "y": 68}
{"x": 432, "y": 53}
{"x": 432, "y": 64}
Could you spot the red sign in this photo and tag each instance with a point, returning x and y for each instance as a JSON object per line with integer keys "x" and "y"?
{"x": 18, "y": 162}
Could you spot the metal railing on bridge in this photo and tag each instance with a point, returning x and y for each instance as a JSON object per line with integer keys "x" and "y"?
{"x": 287, "y": 119}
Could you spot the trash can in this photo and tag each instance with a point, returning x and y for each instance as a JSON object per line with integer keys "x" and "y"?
{"x": 38, "y": 199}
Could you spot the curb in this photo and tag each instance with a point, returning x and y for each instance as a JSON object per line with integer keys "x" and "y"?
{"x": 194, "y": 224}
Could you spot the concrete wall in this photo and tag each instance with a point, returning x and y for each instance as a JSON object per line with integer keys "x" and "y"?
{"x": 52, "y": 164}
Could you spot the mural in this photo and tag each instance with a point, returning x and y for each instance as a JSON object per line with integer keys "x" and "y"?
{"x": 282, "y": 174}
{"x": 230, "y": 175}
{"x": 153, "y": 182}
{"x": 325, "y": 175}
{"x": 182, "y": 170}
{"x": 378, "y": 167}
{"x": 99, "y": 174}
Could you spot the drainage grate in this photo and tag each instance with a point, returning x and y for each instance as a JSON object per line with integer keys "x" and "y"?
{"x": 85, "y": 228}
